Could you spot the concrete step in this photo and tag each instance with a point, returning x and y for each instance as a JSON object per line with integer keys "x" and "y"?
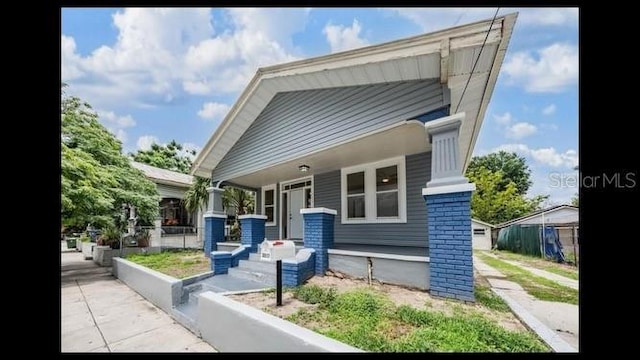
{"x": 258, "y": 266}
{"x": 188, "y": 290}
{"x": 186, "y": 315}
{"x": 267, "y": 279}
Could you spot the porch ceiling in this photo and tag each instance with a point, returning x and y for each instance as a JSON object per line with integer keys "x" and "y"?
{"x": 405, "y": 138}
{"x": 448, "y": 55}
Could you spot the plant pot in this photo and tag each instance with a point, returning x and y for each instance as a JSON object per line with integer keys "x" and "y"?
{"x": 71, "y": 243}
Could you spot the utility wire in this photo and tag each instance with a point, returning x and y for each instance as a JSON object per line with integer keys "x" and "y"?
{"x": 477, "y": 59}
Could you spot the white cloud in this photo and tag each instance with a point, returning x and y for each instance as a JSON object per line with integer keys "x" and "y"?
{"x": 547, "y": 156}
{"x": 186, "y": 147}
{"x": 503, "y": 119}
{"x": 121, "y": 135}
{"x": 549, "y": 110}
{"x": 164, "y": 55}
{"x": 520, "y": 130}
{"x": 109, "y": 117}
{"x": 213, "y": 110}
{"x": 552, "y": 69}
{"x": 145, "y": 141}
{"x": 549, "y": 126}
{"x": 432, "y": 19}
{"x": 343, "y": 38}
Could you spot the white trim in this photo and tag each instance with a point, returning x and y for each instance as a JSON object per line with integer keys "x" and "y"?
{"x": 282, "y": 191}
{"x": 444, "y": 121}
{"x": 379, "y": 255}
{"x": 370, "y": 191}
{"x": 482, "y": 223}
{"x": 446, "y": 189}
{"x": 275, "y": 203}
{"x": 220, "y": 216}
{"x": 319, "y": 210}
{"x": 252, "y": 216}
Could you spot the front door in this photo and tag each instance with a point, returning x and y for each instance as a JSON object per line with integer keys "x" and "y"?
{"x": 296, "y": 202}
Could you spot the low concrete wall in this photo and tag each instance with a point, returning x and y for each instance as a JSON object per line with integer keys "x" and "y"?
{"x": 231, "y": 326}
{"x": 102, "y": 255}
{"x": 404, "y": 270}
{"x": 162, "y": 290}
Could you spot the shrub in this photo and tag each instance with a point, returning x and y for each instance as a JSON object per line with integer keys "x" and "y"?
{"x": 314, "y": 294}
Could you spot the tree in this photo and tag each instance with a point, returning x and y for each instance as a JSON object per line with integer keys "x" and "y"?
{"x": 238, "y": 199}
{"x": 513, "y": 167}
{"x": 96, "y": 178}
{"x": 197, "y": 196}
{"x": 165, "y": 157}
{"x": 496, "y": 203}
{"x": 575, "y": 200}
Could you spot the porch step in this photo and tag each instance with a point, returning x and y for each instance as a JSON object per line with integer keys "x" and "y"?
{"x": 268, "y": 280}
{"x": 258, "y": 266}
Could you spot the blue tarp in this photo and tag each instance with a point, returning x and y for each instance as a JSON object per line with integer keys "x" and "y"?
{"x": 552, "y": 245}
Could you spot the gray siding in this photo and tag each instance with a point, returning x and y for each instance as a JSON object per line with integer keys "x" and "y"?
{"x": 413, "y": 233}
{"x": 297, "y": 123}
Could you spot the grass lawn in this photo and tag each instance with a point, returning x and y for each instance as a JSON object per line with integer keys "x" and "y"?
{"x": 177, "y": 263}
{"x": 539, "y": 287}
{"x": 369, "y": 320}
{"x": 568, "y": 271}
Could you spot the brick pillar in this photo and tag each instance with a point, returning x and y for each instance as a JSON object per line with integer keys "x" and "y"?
{"x": 213, "y": 231}
{"x": 450, "y": 250}
{"x": 318, "y": 234}
{"x": 252, "y": 227}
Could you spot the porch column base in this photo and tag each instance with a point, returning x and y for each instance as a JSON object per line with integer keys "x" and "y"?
{"x": 450, "y": 249}
{"x": 213, "y": 231}
{"x": 318, "y": 234}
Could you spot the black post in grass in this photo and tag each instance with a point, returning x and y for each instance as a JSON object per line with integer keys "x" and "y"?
{"x": 279, "y": 283}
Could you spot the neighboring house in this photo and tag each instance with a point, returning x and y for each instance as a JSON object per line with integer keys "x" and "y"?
{"x": 368, "y": 134}
{"x": 565, "y": 219}
{"x": 481, "y": 232}
{"x": 172, "y": 185}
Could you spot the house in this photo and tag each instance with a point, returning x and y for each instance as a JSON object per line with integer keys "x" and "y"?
{"x": 175, "y": 223}
{"x": 360, "y": 154}
{"x": 564, "y": 218}
{"x": 481, "y": 235}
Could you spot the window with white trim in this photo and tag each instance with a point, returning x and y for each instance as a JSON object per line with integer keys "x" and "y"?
{"x": 269, "y": 204}
{"x": 374, "y": 192}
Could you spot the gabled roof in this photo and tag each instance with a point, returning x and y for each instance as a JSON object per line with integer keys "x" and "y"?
{"x": 163, "y": 176}
{"x": 482, "y": 222}
{"x": 448, "y": 55}
{"x": 539, "y": 212}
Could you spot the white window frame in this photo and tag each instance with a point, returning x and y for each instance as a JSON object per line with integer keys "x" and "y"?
{"x": 370, "y": 198}
{"x": 275, "y": 203}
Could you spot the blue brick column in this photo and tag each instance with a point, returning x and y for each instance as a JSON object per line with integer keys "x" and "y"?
{"x": 220, "y": 262}
{"x": 213, "y": 231}
{"x": 252, "y": 230}
{"x": 449, "y": 229}
{"x": 318, "y": 234}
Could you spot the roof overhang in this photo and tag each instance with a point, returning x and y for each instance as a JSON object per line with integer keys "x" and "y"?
{"x": 448, "y": 55}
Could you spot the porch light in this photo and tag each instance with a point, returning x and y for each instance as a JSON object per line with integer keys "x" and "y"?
{"x": 385, "y": 180}
{"x": 303, "y": 168}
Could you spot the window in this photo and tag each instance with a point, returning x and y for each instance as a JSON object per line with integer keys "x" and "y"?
{"x": 269, "y": 204}
{"x": 374, "y": 193}
{"x": 478, "y": 231}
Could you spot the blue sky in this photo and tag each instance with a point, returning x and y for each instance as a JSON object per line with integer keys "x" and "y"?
{"x": 163, "y": 74}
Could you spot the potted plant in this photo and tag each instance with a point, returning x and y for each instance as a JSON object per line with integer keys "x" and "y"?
{"x": 110, "y": 236}
{"x": 144, "y": 238}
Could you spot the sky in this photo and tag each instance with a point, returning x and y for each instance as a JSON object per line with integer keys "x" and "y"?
{"x": 162, "y": 74}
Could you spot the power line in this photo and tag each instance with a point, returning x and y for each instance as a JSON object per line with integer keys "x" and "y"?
{"x": 477, "y": 59}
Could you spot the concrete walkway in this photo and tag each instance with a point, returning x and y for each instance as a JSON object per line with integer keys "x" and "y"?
{"x": 556, "y": 323}
{"x": 562, "y": 280}
{"x": 101, "y": 314}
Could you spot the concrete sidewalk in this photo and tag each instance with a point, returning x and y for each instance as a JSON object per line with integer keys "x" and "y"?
{"x": 556, "y": 323}
{"x": 101, "y": 314}
{"x": 562, "y": 280}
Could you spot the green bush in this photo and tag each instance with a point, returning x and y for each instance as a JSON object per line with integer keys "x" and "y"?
{"x": 84, "y": 238}
{"x": 314, "y": 294}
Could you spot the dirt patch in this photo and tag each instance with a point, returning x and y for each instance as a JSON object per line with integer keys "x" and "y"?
{"x": 399, "y": 295}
